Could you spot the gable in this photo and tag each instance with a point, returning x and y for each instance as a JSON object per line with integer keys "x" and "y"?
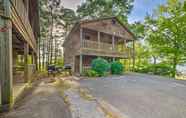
{"x": 109, "y": 26}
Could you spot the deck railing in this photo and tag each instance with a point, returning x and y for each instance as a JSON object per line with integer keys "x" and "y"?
{"x": 106, "y": 47}
{"x": 22, "y": 12}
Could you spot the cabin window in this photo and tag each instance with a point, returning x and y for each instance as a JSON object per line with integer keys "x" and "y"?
{"x": 87, "y": 37}
{"x": 113, "y": 21}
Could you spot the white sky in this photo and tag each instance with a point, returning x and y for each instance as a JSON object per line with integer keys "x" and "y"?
{"x": 72, "y": 4}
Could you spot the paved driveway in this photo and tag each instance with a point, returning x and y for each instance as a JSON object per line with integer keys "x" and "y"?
{"x": 142, "y": 96}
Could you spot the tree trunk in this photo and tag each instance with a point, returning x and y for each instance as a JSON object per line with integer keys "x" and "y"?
{"x": 51, "y": 37}
{"x": 175, "y": 62}
{"x": 43, "y": 60}
{"x": 154, "y": 62}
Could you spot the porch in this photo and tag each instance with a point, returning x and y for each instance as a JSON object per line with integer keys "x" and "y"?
{"x": 86, "y": 61}
{"x": 18, "y": 54}
{"x": 103, "y": 44}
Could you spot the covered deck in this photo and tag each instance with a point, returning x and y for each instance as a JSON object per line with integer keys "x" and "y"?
{"x": 19, "y": 27}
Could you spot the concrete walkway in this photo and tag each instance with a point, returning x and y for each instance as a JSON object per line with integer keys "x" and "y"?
{"x": 44, "y": 102}
{"x": 141, "y": 96}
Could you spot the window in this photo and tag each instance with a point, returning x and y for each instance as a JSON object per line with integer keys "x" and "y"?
{"x": 113, "y": 21}
{"x": 87, "y": 37}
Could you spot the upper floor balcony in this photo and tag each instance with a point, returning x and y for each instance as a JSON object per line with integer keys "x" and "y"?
{"x": 102, "y": 44}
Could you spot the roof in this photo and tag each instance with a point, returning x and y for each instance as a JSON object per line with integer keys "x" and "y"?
{"x": 99, "y": 19}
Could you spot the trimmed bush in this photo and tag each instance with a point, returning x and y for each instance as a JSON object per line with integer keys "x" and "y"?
{"x": 91, "y": 73}
{"x": 101, "y": 66}
{"x": 117, "y": 68}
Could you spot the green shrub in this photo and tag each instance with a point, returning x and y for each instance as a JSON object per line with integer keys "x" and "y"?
{"x": 91, "y": 73}
{"x": 117, "y": 68}
{"x": 101, "y": 66}
{"x": 158, "y": 69}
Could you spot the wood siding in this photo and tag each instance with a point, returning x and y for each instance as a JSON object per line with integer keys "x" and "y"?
{"x": 20, "y": 19}
{"x": 72, "y": 48}
{"x": 107, "y": 26}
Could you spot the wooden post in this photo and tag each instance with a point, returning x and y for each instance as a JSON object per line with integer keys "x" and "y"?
{"x": 81, "y": 64}
{"x": 113, "y": 43}
{"x": 81, "y": 56}
{"x": 99, "y": 40}
{"x": 81, "y": 37}
{"x": 26, "y": 52}
{"x": 113, "y": 59}
{"x": 33, "y": 59}
{"x": 6, "y": 73}
{"x": 133, "y": 55}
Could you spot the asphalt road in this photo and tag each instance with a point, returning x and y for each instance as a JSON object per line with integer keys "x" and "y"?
{"x": 142, "y": 96}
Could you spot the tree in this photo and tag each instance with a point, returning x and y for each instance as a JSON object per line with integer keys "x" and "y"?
{"x": 105, "y": 8}
{"x": 55, "y": 22}
{"x": 167, "y": 32}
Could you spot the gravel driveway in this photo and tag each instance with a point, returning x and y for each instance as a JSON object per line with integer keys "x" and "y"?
{"x": 142, "y": 96}
{"x": 44, "y": 102}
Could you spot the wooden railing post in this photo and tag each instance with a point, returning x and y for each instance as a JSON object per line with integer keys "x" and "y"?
{"x": 133, "y": 55}
{"x": 113, "y": 43}
{"x": 26, "y": 52}
{"x": 99, "y": 40}
{"x": 6, "y": 73}
{"x": 81, "y": 37}
{"x": 81, "y": 64}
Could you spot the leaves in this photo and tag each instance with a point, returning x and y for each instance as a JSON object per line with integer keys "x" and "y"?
{"x": 105, "y": 8}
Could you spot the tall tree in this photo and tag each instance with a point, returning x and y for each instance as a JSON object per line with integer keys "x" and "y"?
{"x": 55, "y": 22}
{"x": 167, "y": 33}
{"x": 105, "y": 8}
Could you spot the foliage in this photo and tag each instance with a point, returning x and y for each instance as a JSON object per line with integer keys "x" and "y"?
{"x": 60, "y": 62}
{"x": 161, "y": 41}
{"x": 101, "y": 66}
{"x": 105, "y": 8}
{"x": 91, "y": 73}
{"x": 158, "y": 69}
{"x": 117, "y": 68}
{"x": 167, "y": 32}
{"x": 55, "y": 22}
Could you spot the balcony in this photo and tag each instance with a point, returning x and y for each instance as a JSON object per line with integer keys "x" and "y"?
{"x": 104, "y": 49}
{"x": 20, "y": 20}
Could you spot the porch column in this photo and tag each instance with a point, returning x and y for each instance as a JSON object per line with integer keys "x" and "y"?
{"x": 6, "y": 69}
{"x": 113, "y": 43}
{"x": 81, "y": 64}
{"x": 99, "y": 40}
{"x": 81, "y": 56}
{"x": 113, "y": 59}
{"x": 133, "y": 55}
{"x": 33, "y": 58}
{"x": 81, "y": 37}
{"x": 26, "y": 52}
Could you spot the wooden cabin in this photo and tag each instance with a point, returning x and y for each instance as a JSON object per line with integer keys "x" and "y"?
{"x": 19, "y": 31}
{"x": 107, "y": 38}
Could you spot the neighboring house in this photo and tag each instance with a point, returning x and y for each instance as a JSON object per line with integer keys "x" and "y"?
{"x": 89, "y": 39}
{"x": 19, "y": 30}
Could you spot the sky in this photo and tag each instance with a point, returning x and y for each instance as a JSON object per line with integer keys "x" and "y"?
{"x": 141, "y": 7}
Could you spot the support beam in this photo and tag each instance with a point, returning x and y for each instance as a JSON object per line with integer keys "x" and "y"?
{"x": 113, "y": 59}
{"x": 81, "y": 64}
{"x": 133, "y": 55}
{"x": 99, "y": 40}
{"x": 26, "y": 52}
{"x": 33, "y": 58}
{"x": 113, "y": 43}
{"x": 6, "y": 73}
{"x": 81, "y": 37}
